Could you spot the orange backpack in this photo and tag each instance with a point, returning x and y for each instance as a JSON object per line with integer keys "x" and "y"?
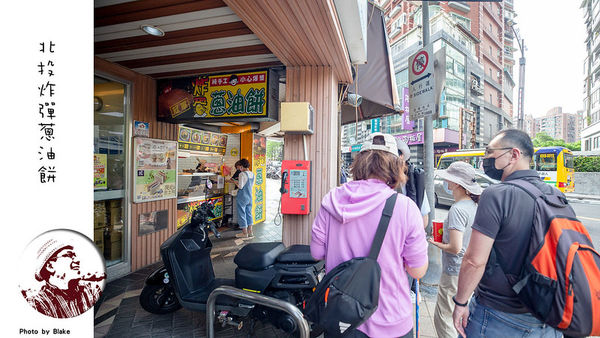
{"x": 560, "y": 280}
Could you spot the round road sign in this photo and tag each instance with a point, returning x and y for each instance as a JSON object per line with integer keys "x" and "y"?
{"x": 420, "y": 62}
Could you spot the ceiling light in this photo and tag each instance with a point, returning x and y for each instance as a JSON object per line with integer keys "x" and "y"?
{"x": 152, "y": 30}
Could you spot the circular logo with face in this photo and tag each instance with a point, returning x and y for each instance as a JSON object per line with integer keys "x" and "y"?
{"x": 62, "y": 274}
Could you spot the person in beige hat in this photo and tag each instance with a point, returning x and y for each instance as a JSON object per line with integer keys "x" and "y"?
{"x": 460, "y": 179}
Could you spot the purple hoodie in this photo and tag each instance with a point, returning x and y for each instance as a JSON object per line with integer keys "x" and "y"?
{"x": 344, "y": 228}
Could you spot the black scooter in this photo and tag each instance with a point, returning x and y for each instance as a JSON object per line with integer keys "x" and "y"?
{"x": 187, "y": 278}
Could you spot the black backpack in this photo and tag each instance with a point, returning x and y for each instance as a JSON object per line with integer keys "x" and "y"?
{"x": 560, "y": 280}
{"x": 348, "y": 295}
{"x": 415, "y": 186}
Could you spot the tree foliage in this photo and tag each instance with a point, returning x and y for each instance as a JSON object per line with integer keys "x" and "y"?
{"x": 542, "y": 139}
{"x": 274, "y": 150}
{"x": 587, "y": 164}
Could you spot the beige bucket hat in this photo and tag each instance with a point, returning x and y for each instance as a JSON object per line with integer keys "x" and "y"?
{"x": 463, "y": 174}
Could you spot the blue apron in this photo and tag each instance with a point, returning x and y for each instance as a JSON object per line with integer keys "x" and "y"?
{"x": 244, "y": 202}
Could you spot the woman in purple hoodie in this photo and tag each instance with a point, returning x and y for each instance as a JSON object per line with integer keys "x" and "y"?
{"x": 345, "y": 226}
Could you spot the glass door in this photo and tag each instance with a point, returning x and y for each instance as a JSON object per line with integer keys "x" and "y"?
{"x": 110, "y": 169}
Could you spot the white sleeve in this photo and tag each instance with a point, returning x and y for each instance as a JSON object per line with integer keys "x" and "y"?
{"x": 243, "y": 178}
{"x": 425, "y": 208}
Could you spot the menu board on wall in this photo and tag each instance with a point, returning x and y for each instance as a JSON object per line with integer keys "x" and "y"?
{"x": 200, "y": 140}
{"x": 243, "y": 96}
{"x": 154, "y": 169}
{"x": 259, "y": 151}
{"x": 100, "y": 182}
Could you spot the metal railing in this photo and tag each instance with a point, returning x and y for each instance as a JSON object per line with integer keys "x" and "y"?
{"x": 275, "y": 303}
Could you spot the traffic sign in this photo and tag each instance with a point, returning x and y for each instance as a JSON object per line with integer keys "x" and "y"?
{"x": 421, "y": 83}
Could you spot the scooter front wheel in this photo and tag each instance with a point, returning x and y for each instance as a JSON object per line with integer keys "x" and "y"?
{"x": 159, "y": 299}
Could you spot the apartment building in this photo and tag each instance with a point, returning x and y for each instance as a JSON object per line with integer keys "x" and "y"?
{"x": 481, "y": 82}
{"x": 590, "y": 135}
{"x": 559, "y": 125}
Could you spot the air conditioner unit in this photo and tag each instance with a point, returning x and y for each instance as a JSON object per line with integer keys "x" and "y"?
{"x": 297, "y": 117}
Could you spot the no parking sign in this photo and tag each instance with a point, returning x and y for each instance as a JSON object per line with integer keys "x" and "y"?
{"x": 421, "y": 83}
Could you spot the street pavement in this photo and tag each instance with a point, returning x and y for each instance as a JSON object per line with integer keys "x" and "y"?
{"x": 118, "y": 313}
{"x": 587, "y": 210}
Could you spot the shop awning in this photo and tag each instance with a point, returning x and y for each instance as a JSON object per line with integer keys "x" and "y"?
{"x": 374, "y": 81}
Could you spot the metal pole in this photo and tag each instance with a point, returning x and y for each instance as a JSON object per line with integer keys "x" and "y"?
{"x": 428, "y": 133}
{"x": 255, "y": 298}
{"x": 521, "y": 103}
{"x": 435, "y": 269}
{"x": 521, "y": 125}
{"x": 460, "y": 127}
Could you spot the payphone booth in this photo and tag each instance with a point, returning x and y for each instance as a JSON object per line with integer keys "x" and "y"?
{"x": 295, "y": 187}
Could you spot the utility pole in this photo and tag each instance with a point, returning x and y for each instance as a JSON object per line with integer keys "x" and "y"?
{"x": 521, "y": 111}
{"x": 428, "y": 131}
{"x": 434, "y": 271}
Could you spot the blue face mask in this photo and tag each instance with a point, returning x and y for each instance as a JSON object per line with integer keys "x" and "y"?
{"x": 447, "y": 189}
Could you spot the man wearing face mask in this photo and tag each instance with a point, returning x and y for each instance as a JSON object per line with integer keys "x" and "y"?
{"x": 500, "y": 233}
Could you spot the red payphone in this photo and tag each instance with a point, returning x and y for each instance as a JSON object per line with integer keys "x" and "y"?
{"x": 295, "y": 187}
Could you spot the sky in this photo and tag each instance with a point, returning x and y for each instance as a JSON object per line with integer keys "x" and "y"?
{"x": 554, "y": 34}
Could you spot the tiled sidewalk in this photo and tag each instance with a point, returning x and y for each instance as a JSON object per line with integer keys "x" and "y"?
{"x": 118, "y": 313}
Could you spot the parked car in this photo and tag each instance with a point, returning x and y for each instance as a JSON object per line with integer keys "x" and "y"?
{"x": 442, "y": 197}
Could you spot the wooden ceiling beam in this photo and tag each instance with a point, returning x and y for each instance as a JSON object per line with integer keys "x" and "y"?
{"x": 197, "y": 56}
{"x": 192, "y": 72}
{"x": 148, "y": 9}
{"x": 173, "y": 37}
{"x": 315, "y": 40}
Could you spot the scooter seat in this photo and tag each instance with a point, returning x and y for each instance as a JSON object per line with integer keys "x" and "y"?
{"x": 296, "y": 254}
{"x": 258, "y": 256}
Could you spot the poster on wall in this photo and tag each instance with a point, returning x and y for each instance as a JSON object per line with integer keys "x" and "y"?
{"x": 154, "y": 169}
{"x": 200, "y": 140}
{"x": 141, "y": 128}
{"x": 184, "y": 210}
{"x": 243, "y": 96}
{"x": 100, "y": 181}
{"x": 259, "y": 151}
{"x": 153, "y": 221}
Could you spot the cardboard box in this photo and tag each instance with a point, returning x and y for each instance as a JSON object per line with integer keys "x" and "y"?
{"x": 99, "y": 214}
{"x": 115, "y": 251}
{"x": 99, "y": 237}
{"x": 114, "y": 204}
{"x": 115, "y": 219}
{"x": 100, "y": 248}
{"x": 99, "y": 222}
{"x": 115, "y": 236}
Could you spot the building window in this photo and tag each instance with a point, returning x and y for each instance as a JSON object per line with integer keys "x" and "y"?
{"x": 491, "y": 51}
{"x": 490, "y": 98}
{"x": 462, "y": 20}
{"x": 491, "y": 29}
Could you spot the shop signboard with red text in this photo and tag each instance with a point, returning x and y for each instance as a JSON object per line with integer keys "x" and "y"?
{"x": 243, "y": 96}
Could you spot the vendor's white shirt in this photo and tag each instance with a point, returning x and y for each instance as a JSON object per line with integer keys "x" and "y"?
{"x": 243, "y": 178}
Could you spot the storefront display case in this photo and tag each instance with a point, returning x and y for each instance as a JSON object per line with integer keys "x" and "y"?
{"x": 200, "y": 159}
